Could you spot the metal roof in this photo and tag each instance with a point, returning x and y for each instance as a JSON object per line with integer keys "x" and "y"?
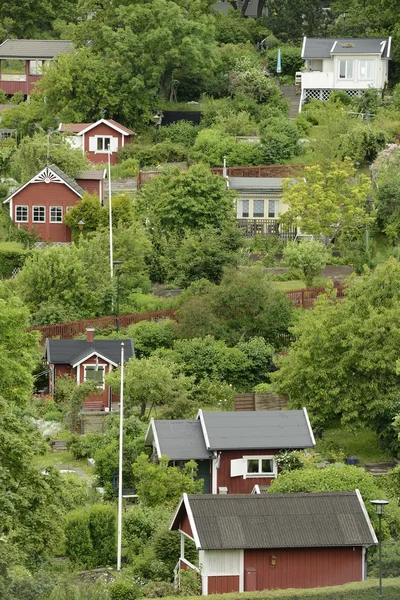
{"x": 179, "y": 440}
{"x": 68, "y": 352}
{"x": 251, "y": 430}
{"x": 35, "y": 49}
{"x": 326, "y": 47}
{"x": 315, "y": 520}
{"x": 256, "y": 183}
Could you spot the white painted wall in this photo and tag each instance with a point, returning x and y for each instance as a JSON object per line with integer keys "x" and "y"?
{"x": 329, "y": 78}
{"x": 220, "y": 562}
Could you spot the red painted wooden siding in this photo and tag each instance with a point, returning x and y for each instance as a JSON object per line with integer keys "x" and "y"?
{"x": 103, "y": 129}
{"x": 238, "y": 485}
{"x": 305, "y": 567}
{"x": 46, "y": 194}
{"x": 26, "y": 87}
{"x": 223, "y": 584}
{"x": 185, "y": 526}
{"x": 93, "y": 186}
{"x": 68, "y": 370}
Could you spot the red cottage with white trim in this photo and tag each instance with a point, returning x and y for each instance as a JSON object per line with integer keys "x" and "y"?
{"x": 96, "y": 139}
{"x": 249, "y": 543}
{"x": 41, "y": 204}
{"x": 234, "y": 451}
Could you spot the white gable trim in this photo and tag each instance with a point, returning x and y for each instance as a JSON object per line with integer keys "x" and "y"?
{"x": 366, "y": 516}
{"x": 46, "y": 173}
{"x": 304, "y": 47}
{"x": 389, "y": 46}
{"x": 203, "y": 427}
{"x": 156, "y": 442}
{"x": 309, "y": 425}
{"x": 333, "y": 47}
{"x": 191, "y": 521}
{"x": 104, "y": 122}
{"x": 94, "y": 353}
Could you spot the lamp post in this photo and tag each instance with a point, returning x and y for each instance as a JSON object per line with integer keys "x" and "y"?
{"x": 81, "y": 225}
{"x": 157, "y": 118}
{"x": 117, "y": 264}
{"x": 379, "y": 504}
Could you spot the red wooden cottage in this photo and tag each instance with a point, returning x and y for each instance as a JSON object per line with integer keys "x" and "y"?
{"x": 275, "y": 541}
{"x": 97, "y": 139}
{"x": 87, "y": 360}
{"x": 234, "y": 450}
{"x": 21, "y": 62}
{"x": 41, "y": 204}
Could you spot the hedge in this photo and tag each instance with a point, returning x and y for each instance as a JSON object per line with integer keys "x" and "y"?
{"x": 12, "y": 255}
{"x": 366, "y": 590}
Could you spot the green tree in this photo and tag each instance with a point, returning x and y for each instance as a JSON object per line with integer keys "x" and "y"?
{"x": 151, "y": 335}
{"x": 309, "y": 257}
{"x": 31, "y": 156}
{"x": 343, "y": 360}
{"x": 326, "y": 202}
{"x": 88, "y": 210}
{"x": 279, "y": 140}
{"x": 90, "y": 536}
{"x": 289, "y": 20}
{"x": 161, "y": 484}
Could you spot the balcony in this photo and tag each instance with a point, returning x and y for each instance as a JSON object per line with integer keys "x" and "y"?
{"x": 317, "y": 80}
{"x": 266, "y": 228}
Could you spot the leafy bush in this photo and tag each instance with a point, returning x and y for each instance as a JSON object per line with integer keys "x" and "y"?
{"x": 280, "y": 141}
{"x": 167, "y": 546}
{"x": 190, "y": 582}
{"x": 140, "y": 524}
{"x": 12, "y": 256}
{"x": 125, "y": 169}
{"x": 310, "y": 257}
{"x": 182, "y": 132}
{"x": 83, "y": 446}
{"x": 291, "y": 60}
{"x": 123, "y": 589}
{"x": 158, "y": 589}
{"x": 150, "y": 335}
{"x": 155, "y": 154}
{"x": 90, "y": 536}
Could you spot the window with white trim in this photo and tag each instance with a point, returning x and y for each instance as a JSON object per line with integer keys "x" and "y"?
{"x": 103, "y": 144}
{"x": 366, "y": 69}
{"x": 346, "y": 69}
{"x": 263, "y": 466}
{"x": 243, "y": 209}
{"x": 39, "y": 214}
{"x": 95, "y": 373}
{"x": 21, "y": 214}
{"x": 35, "y": 67}
{"x": 56, "y": 214}
{"x": 273, "y": 209}
{"x": 258, "y": 208}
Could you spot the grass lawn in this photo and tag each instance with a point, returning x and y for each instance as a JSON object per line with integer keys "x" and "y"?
{"x": 362, "y": 443}
{"x": 61, "y": 457}
{"x": 288, "y": 286}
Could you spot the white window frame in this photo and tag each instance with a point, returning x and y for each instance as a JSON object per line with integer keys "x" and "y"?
{"x": 240, "y": 208}
{"x": 260, "y": 474}
{"x": 258, "y": 200}
{"x": 367, "y": 62}
{"x": 33, "y": 214}
{"x": 93, "y": 365}
{"x": 16, "y": 213}
{"x": 347, "y": 61}
{"x": 38, "y": 70}
{"x": 276, "y": 214}
{"x": 102, "y": 137}
{"x": 52, "y": 220}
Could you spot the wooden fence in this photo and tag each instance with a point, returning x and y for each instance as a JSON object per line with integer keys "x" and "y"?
{"x": 66, "y": 331}
{"x": 266, "y": 401}
{"x": 262, "y": 171}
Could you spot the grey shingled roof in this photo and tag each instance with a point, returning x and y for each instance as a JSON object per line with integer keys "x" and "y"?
{"x": 251, "y": 430}
{"x": 71, "y": 182}
{"x": 35, "y": 49}
{"x": 68, "y": 352}
{"x": 281, "y": 520}
{"x": 98, "y": 175}
{"x": 322, "y": 47}
{"x": 179, "y": 440}
{"x": 259, "y": 184}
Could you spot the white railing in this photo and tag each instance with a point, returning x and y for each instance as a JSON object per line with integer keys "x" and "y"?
{"x": 316, "y": 80}
{"x": 12, "y": 77}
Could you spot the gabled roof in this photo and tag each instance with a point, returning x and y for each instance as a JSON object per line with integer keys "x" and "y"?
{"x": 263, "y": 521}
{"x": 179, "y": 440}
{"x": 252, "y": 430}
{"x": 35, "y": 49}
{"x": 70, "y": 352}
{"x": 327, "y": 47}
{"x": 81, "y": 128}
{"x": 50, "y": 174}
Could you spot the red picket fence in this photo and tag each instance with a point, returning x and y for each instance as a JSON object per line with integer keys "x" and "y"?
{"x": 262, "y": 171}
{"x": 66, "y": 331}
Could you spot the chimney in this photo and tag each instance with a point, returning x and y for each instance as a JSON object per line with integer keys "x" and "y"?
{"x": 90, "y": 334}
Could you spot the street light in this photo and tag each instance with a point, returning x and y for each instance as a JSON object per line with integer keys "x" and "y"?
{"x": 379, "y": 504}
{"x": 117, "y": 264}
{"x": 157, "y": 118}
{"x": 81, "y": 225}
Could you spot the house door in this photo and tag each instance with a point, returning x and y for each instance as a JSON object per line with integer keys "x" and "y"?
{"x": 250, "y": 579}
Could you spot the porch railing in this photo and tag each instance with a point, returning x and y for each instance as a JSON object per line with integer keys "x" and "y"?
{"x": 266, "y": 228}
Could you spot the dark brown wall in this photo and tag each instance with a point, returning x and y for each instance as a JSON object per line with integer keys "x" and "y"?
{"x": 238, "y": 485}
{"x": 185, "y": 526}
{"x": 46, "y": 194}
{"x": 223, "y": 584}
{"x": 304, "y": 567}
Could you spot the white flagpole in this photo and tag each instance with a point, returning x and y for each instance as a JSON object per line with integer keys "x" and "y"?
{"x": 110, "y": 211}
{"x": 121, "y": 433}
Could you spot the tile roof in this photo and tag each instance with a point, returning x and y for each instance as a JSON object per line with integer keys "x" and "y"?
{"x": 39, "y": 49}
{"x": 179, "y": 440}
{"x": 322, "y": 47}
{"x": 122, "y": 127}
{"x": 73, "y": 127}
{"x": 264, "y": 429}
{"x": 68, "y": 352}
{"x": 100, "y": 174}
{"x": 278, "y": 520}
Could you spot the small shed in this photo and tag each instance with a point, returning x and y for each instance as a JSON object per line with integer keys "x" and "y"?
{"x": 275, "y": 541}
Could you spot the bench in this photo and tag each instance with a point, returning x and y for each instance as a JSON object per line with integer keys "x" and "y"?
{"x": 93, "y": 405}
{"x": 58, "y": 444}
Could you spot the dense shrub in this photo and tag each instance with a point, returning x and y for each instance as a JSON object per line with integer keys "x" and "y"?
{"x": 182, "y": 132}
{"x": 150, "y": 335}
{"x": 153, "y": 155}
{"x": 90, "y": 536}
{"x": 280, "y": 141}
{"x": 12, "y": 256}
{"x": 291, "y": 60}
{"x": 167, "y": 546}
{"x": 140, "y": 524}
{"x": 309, "y": 257}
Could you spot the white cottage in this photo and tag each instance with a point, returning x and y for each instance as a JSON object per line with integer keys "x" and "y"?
{"x": 352, "y": 65}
